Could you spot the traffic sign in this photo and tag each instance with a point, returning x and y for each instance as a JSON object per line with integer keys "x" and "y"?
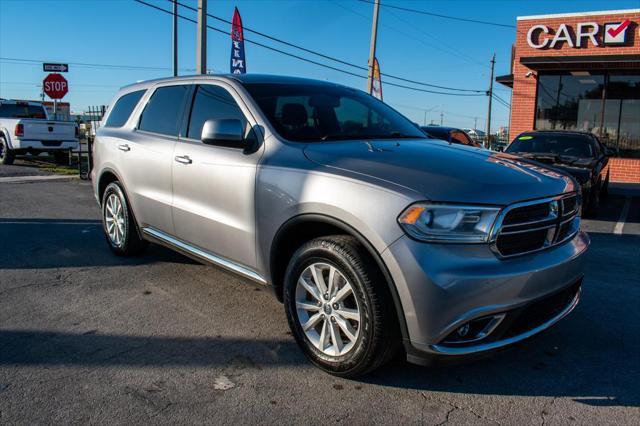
{"x": 55, "y": 67}
{"x": 55, "y": 86}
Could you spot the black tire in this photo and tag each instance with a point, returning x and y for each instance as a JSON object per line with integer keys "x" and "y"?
{"x": 591, "y": 207}
{"x": 130, "y": 243}
{"x": 378, "y": 340}
{"x": 61, "y": 157}
{"x": 6, "y": 155}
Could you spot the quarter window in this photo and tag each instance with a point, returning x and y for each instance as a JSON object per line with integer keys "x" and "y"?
{"x": 163, "y": 111}
{"x": 212, "y": 102}
{"x": 123, "y": 108}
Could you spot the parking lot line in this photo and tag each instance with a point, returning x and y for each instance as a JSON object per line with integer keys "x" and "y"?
{"x": 617, "y": 230}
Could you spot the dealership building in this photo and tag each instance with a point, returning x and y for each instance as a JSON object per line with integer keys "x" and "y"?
{"x": 580, "y": 71}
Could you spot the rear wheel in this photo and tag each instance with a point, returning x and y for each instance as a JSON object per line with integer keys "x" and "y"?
{"x": 338, "y": 307}
{"x": 118, "y": 223}
{"x": 6, "y": 155}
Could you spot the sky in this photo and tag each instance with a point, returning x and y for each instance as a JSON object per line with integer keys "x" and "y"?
{"x": 112, "y": 43}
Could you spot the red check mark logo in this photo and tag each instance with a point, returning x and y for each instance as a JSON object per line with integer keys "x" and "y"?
{"x": 613, "y": 32}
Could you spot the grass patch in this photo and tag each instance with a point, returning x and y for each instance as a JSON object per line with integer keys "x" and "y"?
{"x": 61, "y": 170}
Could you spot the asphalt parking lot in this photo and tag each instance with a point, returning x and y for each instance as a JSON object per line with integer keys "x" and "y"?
{"x": 86, "y": 337}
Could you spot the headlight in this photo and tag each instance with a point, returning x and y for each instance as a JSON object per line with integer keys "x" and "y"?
{"x": 448, "y": 222}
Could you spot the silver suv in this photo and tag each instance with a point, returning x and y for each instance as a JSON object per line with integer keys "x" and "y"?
{"x": 376, "y": 238}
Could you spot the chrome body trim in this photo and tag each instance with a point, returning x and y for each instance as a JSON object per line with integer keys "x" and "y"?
{"x": 558, "y": 219}
{"x": 488, "y": 329}
{"x": 171, "y": 242}
{"x": 445, "y": 350}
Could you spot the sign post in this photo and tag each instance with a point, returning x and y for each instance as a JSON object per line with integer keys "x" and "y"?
{"x": 56, "y": 87}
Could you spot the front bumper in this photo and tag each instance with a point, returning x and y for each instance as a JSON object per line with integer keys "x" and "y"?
{"x": 442, "y": 287}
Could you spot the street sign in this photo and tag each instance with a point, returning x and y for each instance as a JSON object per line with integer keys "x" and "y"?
{"x": 55, "y": 67}
{"x": 55, "y": 86}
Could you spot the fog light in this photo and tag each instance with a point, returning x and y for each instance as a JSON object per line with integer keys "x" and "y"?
{"x": 464, "y": 330}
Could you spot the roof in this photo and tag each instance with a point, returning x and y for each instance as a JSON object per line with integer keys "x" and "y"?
{"x": 241, "y": 78}
{"x": 578, "y": 14}
{"x": 436, "y": 127}
{"x": 566, "y": 132}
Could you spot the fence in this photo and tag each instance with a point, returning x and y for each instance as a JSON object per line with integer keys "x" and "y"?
{"x": 90, "y": 122}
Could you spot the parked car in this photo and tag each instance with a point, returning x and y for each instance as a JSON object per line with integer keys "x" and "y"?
{"x": 450, "y": 134}
{"x": 25, "y": 127}
{"x": 374, "y": 240}
{"x": 578, "y": 153}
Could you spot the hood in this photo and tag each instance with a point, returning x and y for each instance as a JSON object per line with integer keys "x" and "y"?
{"x": 439, "y": 171}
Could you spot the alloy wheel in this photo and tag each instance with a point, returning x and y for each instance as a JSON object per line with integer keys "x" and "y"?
{"x": 114, "y": 220}
{"x": 327, "y": 309}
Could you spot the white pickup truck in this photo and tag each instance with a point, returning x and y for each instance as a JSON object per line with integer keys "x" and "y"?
{"x": 25, "y": 128}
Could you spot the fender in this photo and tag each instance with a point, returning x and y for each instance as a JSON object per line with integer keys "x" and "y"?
{"x": 6, "y": 136}
{"x": 305, "y": 217}
{"x": 124, "y": 189}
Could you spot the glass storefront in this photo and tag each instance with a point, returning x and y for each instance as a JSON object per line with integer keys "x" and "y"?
{"x": 605, "y": 103}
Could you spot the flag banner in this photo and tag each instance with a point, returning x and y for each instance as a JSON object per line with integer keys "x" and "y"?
{"x": 238, "y": 64}
{"x": 376, "y": 88}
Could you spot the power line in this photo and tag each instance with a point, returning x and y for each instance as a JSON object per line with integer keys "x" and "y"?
{"x": 306, "y": 59}
{"x": 437, "y": 15}
{"x": 325, "y": 56}
{"x": 92, "y": 65}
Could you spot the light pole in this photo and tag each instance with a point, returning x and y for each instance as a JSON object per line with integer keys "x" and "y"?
{"x": 490, "y": 93}
{"x": 201, "y": 38}
{"x": 372, "y": 47}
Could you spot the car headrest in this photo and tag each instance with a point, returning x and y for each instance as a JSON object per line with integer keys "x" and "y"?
{"x": 294, "y": 114}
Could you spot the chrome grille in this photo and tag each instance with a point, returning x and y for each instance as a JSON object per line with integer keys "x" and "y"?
{"x": 536, "y": 225}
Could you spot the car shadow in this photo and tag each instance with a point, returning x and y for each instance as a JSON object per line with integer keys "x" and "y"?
{"x": 60, "y": 243}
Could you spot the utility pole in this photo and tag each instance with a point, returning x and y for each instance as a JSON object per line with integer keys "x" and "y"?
{"x": 475, "y": 123}
{"x": 372, "y": 48}
{"x": 490, "y": 93}
{"x": 425, "y": 117}
{"x": 201, "y": 38}
{"x": 175, "y": 38}
{"x": 441, "y": 118}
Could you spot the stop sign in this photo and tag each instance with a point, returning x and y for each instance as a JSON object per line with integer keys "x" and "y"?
{"x": 55, "y": 86}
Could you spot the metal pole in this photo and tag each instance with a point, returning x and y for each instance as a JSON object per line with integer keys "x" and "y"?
{"x": 490, "y": 93}
{"x": 441, "y": 118}
{"x": 372, "y": 48}
{"x": 201, "y": 38}
{"x": 425, "y": 117}
{"x": 175, "y": 38}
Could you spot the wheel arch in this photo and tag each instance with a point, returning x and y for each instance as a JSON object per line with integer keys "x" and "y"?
{"x": 304, "y": 227}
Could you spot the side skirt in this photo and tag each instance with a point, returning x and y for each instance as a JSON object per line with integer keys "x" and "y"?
{"x": 199, "y": 254}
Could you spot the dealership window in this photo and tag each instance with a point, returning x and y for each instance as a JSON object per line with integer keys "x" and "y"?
{"x": 606, "y": 104}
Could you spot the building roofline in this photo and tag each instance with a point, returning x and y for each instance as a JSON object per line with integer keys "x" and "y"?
{"x": 578, "y": 14}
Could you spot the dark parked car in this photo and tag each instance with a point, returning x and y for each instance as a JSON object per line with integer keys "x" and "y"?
{"x": 450, "y": 134}
{"x": 580, "y": 154}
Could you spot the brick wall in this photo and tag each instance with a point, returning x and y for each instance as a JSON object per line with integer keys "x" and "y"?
{"x": 624, "y": 170}
{"x": 524, "y": 88}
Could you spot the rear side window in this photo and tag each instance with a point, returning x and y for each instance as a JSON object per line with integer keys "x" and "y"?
{"x": 163, "y": 111}
{"x": 123, "y": 109}
{"x": 21, "y": 110}
{"x": 213, "y": 102}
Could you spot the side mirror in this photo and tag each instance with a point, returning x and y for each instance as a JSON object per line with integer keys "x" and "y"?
{"x": 217, "y": 130}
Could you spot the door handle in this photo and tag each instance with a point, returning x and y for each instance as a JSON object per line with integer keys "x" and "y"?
{"x": 124, "y": 147}
{"x": 184, "y": 159}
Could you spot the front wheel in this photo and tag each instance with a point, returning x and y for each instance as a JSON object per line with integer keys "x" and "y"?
{"x": 6, "y": 155}
{"x": 339, "y": 307}
{"x": 118, "y": 223}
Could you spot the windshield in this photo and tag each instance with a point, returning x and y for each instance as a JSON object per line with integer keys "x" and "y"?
{"x": 318, "y": 112}
{"x": 21, "y": 111}
{"x": 554, "y": 144}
